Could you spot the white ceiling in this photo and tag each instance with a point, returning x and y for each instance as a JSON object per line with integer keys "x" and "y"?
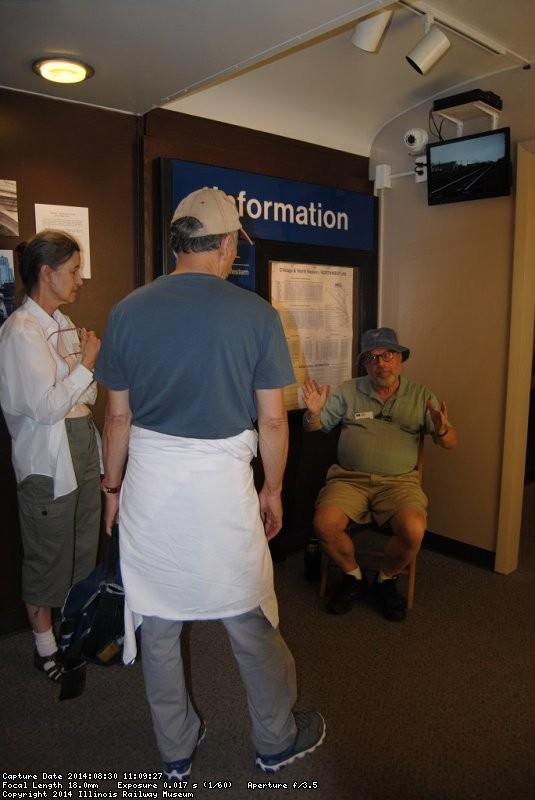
{"x": 282, "y": 66}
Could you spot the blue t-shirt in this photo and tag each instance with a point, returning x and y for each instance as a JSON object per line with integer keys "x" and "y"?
{"x": 192, "y": 349}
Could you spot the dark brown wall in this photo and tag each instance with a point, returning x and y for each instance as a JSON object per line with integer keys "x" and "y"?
{"x": 65, "y": 154}
{"x": 167, "y": 134}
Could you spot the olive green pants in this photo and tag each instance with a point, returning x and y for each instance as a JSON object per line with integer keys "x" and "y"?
{"x": 60, "y": 536}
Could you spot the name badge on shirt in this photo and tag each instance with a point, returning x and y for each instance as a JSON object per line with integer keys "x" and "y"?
{"x": 364, "y": 415}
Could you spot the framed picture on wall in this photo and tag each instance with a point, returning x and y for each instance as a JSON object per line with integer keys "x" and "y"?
{"x": 315, "y": 304}
{"x": 325, "y": 298}
{"x": 7, "y": 284}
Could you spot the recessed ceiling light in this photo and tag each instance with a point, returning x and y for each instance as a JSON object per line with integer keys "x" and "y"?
{"x": 62, "y": 70}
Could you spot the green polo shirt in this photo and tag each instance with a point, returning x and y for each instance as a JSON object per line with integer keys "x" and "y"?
{"x": 378, "y": 438}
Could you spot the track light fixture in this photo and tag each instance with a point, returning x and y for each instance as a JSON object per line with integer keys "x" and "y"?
{"x": 369, "y": 31}
{"x": 62, "y": 70}
{"x": 429, "y": 49}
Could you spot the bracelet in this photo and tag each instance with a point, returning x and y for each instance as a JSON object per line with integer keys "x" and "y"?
{"x": 110, "y": 489}
{"x": 440, "y": 435}
{"x": 310, "y": 418}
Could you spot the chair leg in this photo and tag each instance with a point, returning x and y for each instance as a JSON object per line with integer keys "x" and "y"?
{"x": 412, "y": 580}
{"x": 325, "y": 560}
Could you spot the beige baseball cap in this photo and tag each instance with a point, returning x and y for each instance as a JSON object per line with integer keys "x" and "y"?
{"x": 214, "y": 209}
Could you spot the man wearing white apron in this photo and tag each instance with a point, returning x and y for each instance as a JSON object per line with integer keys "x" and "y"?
{"x": 191, "y": 361}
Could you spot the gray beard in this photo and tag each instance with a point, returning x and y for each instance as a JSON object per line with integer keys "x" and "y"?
{"x": 386, "y": 381}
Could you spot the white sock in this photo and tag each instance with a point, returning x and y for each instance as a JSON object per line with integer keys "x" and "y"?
{"x": 356, "y": 573}
{"x": 45, "y": 642}
{"x": 382, "y": 577}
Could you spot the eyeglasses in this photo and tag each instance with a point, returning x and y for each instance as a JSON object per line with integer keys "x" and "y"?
{"x": 58, "y": 334}
{"x": 387, "y": 356}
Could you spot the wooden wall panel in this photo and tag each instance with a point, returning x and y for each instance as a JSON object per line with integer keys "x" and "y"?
{"x": 66, "y": 154}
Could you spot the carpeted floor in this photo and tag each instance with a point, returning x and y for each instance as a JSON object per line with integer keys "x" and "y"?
{"x": 441, "y": 707}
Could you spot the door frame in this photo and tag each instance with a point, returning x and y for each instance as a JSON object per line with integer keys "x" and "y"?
{"x": 519, "y": 364}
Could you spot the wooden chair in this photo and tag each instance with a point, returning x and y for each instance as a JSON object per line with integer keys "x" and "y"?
{"x": 370, "y": 558}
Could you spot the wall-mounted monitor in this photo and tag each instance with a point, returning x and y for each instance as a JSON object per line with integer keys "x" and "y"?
{"x": 469, "y": 167}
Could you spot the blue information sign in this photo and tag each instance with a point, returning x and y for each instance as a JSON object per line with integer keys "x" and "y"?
{"x": 284, "y": 210}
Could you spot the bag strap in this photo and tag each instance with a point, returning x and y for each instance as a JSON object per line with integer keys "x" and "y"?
{"x": 112, "y": 554}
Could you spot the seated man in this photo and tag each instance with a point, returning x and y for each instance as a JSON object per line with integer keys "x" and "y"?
{"x": 382, "y": 416}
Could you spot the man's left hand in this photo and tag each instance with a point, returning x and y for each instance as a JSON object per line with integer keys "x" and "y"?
{"x": 439, "y": 416}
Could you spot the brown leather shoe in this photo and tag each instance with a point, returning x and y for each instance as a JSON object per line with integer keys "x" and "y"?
{"x": 49, "y": 665}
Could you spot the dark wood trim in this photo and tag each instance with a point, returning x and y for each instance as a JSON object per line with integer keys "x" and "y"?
{"x": 167, "y": 134}
{"x": 459, "y": 550}
{"x": 219, "y": 143}
{"x": 13, "y": 621}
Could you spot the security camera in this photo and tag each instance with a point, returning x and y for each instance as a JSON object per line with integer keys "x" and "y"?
{"x": 415, "y": 140}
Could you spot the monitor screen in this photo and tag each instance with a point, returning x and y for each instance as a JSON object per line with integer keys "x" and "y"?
{"x": 469, "y": 167}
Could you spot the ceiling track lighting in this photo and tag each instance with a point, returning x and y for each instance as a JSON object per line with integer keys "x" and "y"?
{"x": 369, "y": 31}
{"x": 62, "y": 70}
{"x": 453, "y": 25}
{"x": 429, "y": 49}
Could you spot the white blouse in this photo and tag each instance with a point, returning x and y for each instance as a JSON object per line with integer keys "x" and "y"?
{"x": 39, "y": 386}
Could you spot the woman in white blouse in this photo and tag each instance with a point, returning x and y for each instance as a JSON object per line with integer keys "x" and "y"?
{"x": 46, "y": 386}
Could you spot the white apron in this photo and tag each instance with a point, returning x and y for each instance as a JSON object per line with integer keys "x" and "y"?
{"x": 192, "y": 542}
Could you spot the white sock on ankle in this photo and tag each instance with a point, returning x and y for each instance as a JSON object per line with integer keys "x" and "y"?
{"x": 382, "y": 577}
{"x": 45, "y": 642}
{"x": 356, "y": 573}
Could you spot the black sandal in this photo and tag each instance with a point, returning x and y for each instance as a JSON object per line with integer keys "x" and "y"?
{"x": 49, "y": 665}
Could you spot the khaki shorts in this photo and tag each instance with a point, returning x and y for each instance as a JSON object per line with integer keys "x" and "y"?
{"x": 364, "y": 497}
